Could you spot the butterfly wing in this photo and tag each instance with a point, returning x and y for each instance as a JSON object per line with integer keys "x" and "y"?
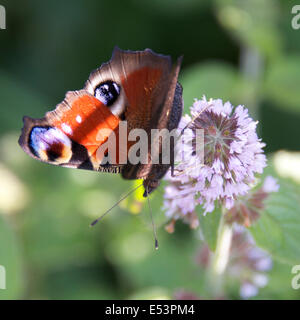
{"x": 134, "y": 86}
{"x": 69, "y": 135}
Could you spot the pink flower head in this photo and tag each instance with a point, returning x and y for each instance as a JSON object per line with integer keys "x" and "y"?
{"x": 233, "y": 155}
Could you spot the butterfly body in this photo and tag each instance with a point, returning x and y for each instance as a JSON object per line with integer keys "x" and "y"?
{"x": 136, "y": 87}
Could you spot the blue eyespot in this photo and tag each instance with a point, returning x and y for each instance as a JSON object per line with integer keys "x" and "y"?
{"x": 49, "y": 143}
{"x": 107, "y": 92}
{"x": 35, "y": 139}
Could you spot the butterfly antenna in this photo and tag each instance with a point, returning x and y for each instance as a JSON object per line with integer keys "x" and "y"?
{"x": 152, "y": 221}
{"x": 106, "y": 212}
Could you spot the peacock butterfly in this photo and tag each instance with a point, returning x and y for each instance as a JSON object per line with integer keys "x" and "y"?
{"x": 139, "y": 87}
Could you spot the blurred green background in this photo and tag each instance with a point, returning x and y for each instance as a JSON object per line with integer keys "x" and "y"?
{"x": 243, "y": 51}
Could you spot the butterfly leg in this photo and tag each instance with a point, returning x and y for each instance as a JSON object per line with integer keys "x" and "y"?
{"x": 150, "y": 185}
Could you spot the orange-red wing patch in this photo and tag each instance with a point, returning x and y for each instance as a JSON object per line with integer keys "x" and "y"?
{"x": 88, "y": 122}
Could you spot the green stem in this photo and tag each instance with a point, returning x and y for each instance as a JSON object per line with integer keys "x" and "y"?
{"x": 220, "y": 258}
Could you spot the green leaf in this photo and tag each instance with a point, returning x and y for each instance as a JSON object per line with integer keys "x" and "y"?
{"x": 11, "y": 263}
{"x": 209, "y": 225}
{"x": 277, "y": 230}
{"x": 282, "y": 83}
